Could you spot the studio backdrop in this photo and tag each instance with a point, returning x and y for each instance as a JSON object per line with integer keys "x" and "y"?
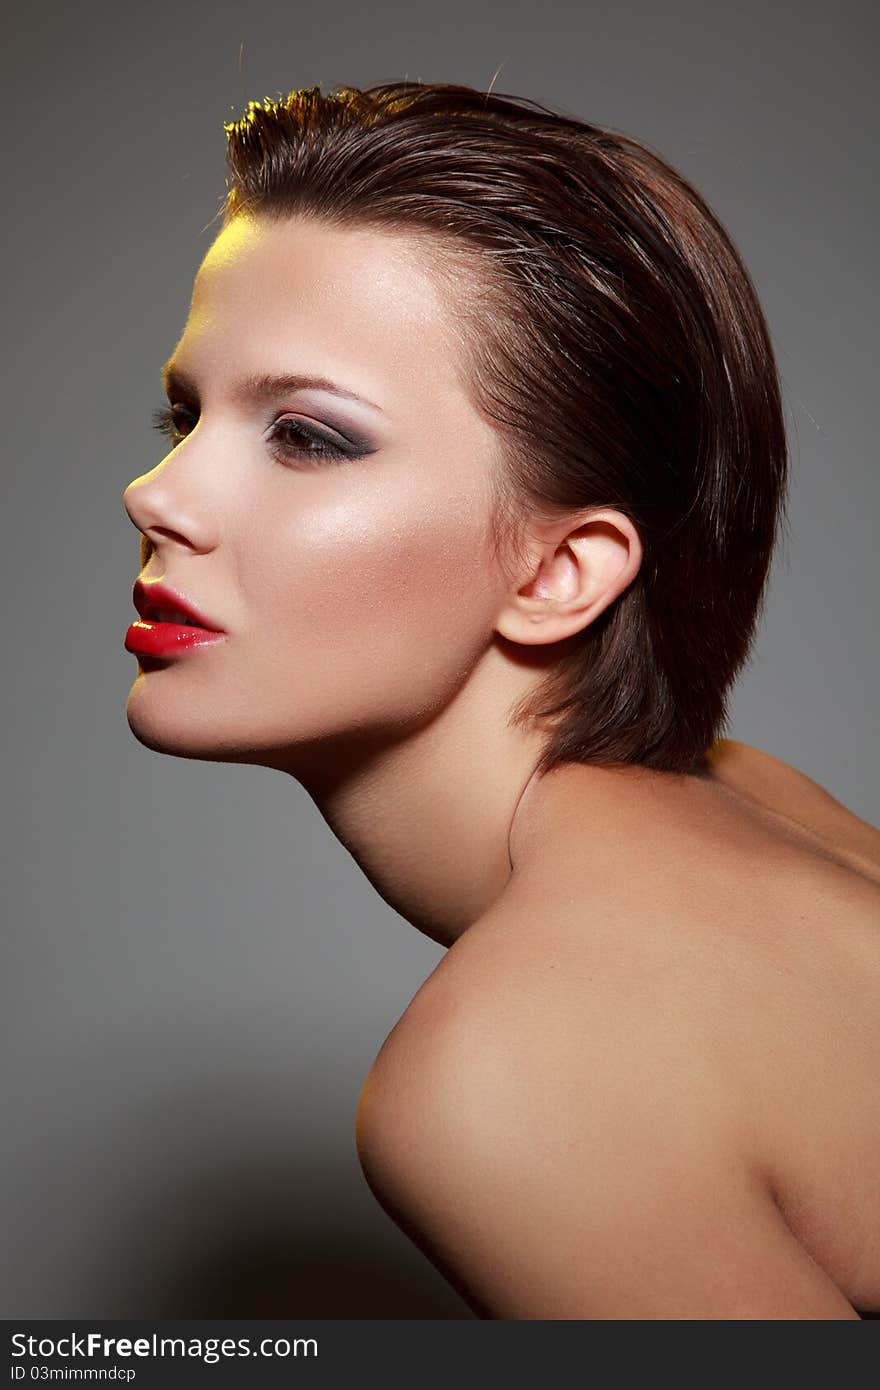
{"x": 196, "y": 975}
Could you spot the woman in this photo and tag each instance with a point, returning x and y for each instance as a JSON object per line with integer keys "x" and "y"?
{"x": 478, "y": 461}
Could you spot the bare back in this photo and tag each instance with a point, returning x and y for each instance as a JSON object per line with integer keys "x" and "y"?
{"x": 734, "y": 918}
{"x": 821, "y": 1031}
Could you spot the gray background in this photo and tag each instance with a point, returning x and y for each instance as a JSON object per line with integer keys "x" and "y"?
{"x": 196, "y": 976}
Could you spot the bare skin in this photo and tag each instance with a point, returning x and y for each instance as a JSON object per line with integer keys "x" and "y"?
{"x": 641, "y": 1081}
{"x": 645, "y": 1085}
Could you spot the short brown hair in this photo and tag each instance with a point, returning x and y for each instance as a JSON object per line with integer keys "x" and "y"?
{"x": 614, "y": 337}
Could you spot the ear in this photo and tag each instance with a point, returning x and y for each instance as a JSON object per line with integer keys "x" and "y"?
{"x": 574, "y": 572}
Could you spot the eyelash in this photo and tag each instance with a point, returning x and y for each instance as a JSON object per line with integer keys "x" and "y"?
{"x": 164, "y": 422}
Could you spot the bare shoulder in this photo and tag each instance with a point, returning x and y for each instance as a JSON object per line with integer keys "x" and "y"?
{"x": 646, "y": 1086}
{"x": 560, "y": 1147}
{"x": 790, "y": 792}
{"x": 729, "y": 754}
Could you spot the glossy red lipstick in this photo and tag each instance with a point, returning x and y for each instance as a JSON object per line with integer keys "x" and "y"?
{"x": 167, "y": 639}
{"x": 169, "y": 623}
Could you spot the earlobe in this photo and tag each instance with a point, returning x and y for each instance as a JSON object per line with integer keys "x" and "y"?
{"x": 575, "y": 576}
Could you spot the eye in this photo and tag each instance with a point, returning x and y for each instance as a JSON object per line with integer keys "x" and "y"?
{"x": 291, "y": 437}
{"x": 164, "y": 420}
{"x": 285, "y": 431}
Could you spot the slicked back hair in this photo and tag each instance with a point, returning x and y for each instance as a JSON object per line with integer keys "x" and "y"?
{"x": 612, "y": 335}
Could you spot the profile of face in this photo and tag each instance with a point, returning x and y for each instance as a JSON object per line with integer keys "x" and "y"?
{"x": 340, "y": 538}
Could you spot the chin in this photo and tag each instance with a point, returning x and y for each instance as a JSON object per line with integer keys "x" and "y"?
{"x": 310, "y": 744}
{"x": 176, "y": 743}
{"x": 161, "y": 728}
{"x": 163, "y": 731}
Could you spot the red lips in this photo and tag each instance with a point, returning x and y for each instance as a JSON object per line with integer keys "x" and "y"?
{"x": 152, "y": 597}
{"x": 183, "y": 629}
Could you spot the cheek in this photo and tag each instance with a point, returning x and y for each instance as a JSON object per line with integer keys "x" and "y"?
{"x": 385, "y": 586}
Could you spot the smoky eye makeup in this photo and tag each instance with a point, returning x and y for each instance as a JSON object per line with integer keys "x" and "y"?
{"x": 289, "y": 436}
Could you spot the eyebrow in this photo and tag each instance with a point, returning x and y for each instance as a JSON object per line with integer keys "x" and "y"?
{"x": 262, "y": 386}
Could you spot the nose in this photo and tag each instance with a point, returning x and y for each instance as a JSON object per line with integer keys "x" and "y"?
{"x": 165, "y": 510}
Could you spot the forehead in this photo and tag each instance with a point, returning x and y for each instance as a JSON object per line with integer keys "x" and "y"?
{"x": 306, "y": 294}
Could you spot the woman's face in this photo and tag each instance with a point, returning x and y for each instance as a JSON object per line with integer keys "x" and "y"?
{"x": 357, "y": 589}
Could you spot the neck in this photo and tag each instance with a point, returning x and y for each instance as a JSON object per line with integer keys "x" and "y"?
{"x": 428, "y": 817}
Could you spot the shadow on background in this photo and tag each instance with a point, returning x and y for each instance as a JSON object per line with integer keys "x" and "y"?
{"x": 319, "y": 1277}
{"x": 251, "y": 1244}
